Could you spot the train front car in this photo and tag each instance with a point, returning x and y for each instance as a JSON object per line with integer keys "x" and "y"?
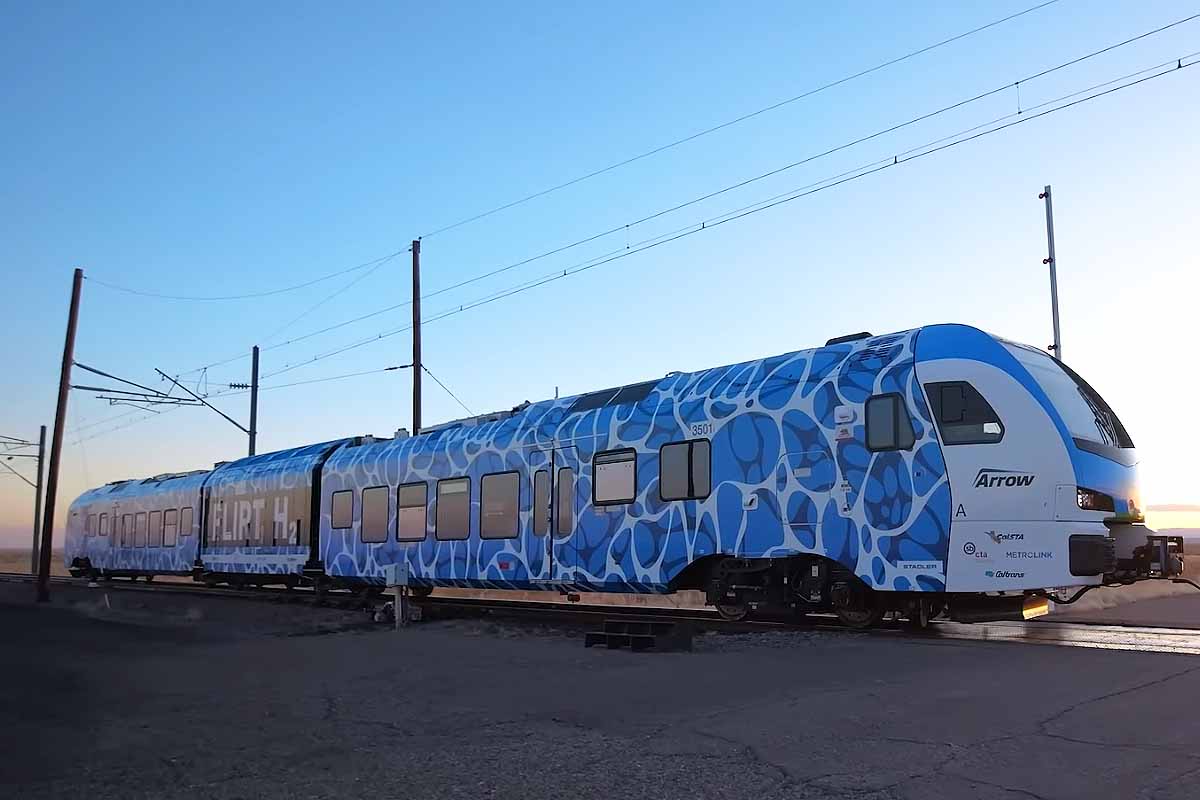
{"x": 1042, "y": 474}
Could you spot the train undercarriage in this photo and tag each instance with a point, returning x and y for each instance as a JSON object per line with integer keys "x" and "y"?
{"x": 798, "y": 585}
{"x": 739, "y": 588}
{"x": 794, "y": 586}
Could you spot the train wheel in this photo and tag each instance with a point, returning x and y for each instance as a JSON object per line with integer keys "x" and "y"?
{"x": 921, "y": 612}
{"x": 857, "y": 607}
{"x": 733, "y": 612}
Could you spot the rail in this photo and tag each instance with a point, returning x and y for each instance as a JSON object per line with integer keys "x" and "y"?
{"x": 1041, "y": 632}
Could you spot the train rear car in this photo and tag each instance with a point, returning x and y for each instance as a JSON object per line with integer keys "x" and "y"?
{"x": 136, "y": 528}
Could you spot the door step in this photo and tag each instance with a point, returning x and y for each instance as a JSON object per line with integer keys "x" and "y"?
{"x": 641, "y": 635}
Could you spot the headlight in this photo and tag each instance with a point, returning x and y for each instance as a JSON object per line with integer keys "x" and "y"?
{"x": 1091, "y": 500}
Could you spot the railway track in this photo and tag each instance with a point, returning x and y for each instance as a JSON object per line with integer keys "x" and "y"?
{"x": 1042, "y": 632}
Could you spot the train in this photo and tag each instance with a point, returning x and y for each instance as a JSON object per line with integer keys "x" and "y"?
{"x": 937, "y": 471}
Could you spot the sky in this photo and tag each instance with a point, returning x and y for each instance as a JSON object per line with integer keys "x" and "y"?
{"x": 219, "y": 149}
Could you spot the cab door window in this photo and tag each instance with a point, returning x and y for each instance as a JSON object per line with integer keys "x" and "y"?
{"x": 962, "y": 414}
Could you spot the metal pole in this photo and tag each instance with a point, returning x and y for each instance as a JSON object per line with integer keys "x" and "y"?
{"x": 37, "y": 503}
{"x": 416, "y": 307}
{"x": 253, "y": 399}
{"x": 1053, "y": 262}
{"x": 60, "y": 419}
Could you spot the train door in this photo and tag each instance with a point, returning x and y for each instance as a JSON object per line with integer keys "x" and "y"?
{"x": 554, "y": 553}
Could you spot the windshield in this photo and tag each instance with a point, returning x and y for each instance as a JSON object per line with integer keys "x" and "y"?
{"x": 1084, "y": 411}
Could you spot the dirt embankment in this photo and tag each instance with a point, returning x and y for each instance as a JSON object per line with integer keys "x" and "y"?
{"x": 16, "y": 560}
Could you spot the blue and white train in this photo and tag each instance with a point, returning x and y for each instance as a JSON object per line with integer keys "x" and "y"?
{"x": 937, "y": 469}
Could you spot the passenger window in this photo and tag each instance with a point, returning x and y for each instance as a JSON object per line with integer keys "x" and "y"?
{"x": 541, "y": 502}
{"x": 452, "y": 519}
{"x": 963, "y": 415}
{"x": 170, "y": 527}
{"x": 499, "y": 502}
{"x": 374, "y": 527}
{"x": 185, "y": 521}
{"x": 412, "y": 499}
{"x": 565, "y": 507}
{"x": 341, "y": 513}
{"x": 888, "y": 425}
{"x": 139, "y": 529}
{"x": 127, "y": 530}
{"x": 614, "y": 477}
{"x": 104, "y": 524}
{"x": 685, "y": 470}
{"x": 156, "y": 531}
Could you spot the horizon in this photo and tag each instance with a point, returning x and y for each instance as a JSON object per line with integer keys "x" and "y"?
{"x": 266, "y": 151}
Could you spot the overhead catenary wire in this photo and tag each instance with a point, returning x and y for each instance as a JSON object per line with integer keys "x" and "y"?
{"x": 96, "y": 422}
{"x": 16, "y": 441}
{"x": 937, "y": 145}
{"x": 19, "y": 475}
{"x": 248, "y": 295}
{"x": 625, "y": 227}
{"x": 735, "y": 121}
{"x": 230, "y": 393}
{"x": 274, "y": 386}
{"x": 350, "y": 285}
{"x": 446, "y": 389}
{"x": 1168, "y": 67}
{"x": 928, "y": 148}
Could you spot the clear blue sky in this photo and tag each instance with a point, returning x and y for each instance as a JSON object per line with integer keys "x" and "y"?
{"x": 223, "y": 149}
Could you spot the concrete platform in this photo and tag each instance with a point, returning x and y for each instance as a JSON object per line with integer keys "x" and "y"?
{"x": 234, "y": 699}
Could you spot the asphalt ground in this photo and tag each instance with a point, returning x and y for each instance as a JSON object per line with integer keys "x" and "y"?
{"x": 1180, "y": 610}
{"x": 153, "y": 696}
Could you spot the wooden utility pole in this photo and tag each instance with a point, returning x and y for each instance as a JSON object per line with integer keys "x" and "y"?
{"x": 416, "y": 338}
{"x": 60, "y": 419}
{"x": 37, "y": 503}
{"x": 253, "y": 399}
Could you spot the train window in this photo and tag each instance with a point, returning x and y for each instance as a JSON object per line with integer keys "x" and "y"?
{"x": 341, "y": 514}
{"x": 541, "y": 502}
{"x": 614, "y": 477}
{"x": 888, "y": 425}
{"x": 374, "y": 524}
{"x": 963, "y": 415}
{"x": 89, "y": 525}
{"x": 685, "y": 470}
{"x": 452, "y": 519}
{"x": 156, "y": 531}
{"x": 139, "y": 529}
{"x": 104, "y": 524}
{"x": 185, "y": 521}
{"x": 127, "y": 530}
{"x": 170, "y": 527}
{"x": 412, "y": 499}
{"x": 499, "y": 502}
{"x": 565, "y": 508}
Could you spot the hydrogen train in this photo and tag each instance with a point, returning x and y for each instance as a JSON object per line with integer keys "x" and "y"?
{"x": 940, "y": 469}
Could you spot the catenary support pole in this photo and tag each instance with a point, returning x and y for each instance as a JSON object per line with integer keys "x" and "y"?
{"x": 1053, "y": 262}
{"x": 37, "y": 503}
{"x": 60, "y": 418}
{"x": 253, "y": 399}
{"x": 416, "y": 338}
